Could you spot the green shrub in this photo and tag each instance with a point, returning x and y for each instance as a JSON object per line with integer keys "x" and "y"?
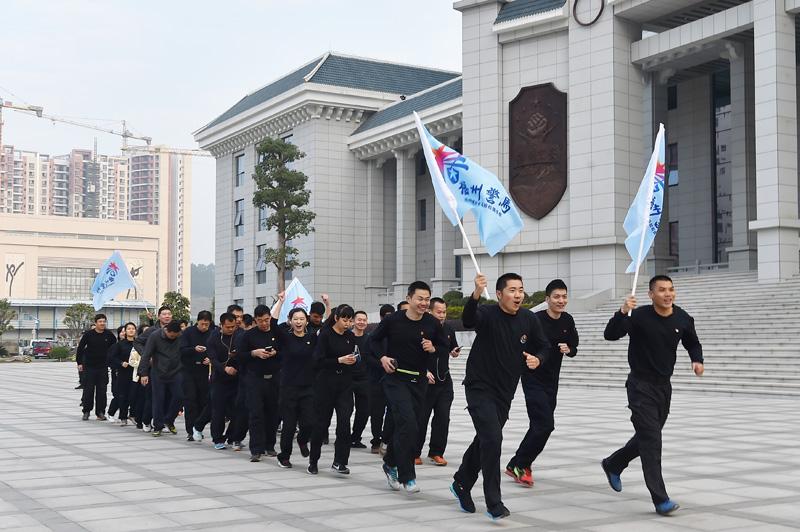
{"x": 60, "y": 352}
{"x": 3, "y": 351}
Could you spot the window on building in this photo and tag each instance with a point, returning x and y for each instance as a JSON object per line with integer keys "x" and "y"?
{"x": 239, "y": 178}
{"x": 672, "y": 97}
{"x": 239, "y": 302}
{"x": 261, "y": 264}
{"x": 422, "y": 215}
{"x": 672, "y": 164}
{"x": 261, "y": 301}
{"x": 673, "y": 239}
{"x": 238, "y": 267}
{"x": 262, "y": 218}
{"x": 238, "y": 217}
{"x": 458, "y": 269}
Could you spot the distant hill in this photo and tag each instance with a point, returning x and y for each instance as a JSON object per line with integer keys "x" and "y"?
{"x": 202, "y": 293}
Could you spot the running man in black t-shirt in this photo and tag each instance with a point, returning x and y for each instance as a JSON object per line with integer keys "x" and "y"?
{"x": 508, "y": 339}
{"x": 654, "y": 332}
{"x": 541, "y": 385}
{"x": 412, "y": 337}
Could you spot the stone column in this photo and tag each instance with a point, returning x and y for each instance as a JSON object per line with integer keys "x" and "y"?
{"x": 375, "y": 282}
{"x": 406, "y": 224}
{"x": 742, "y": 254}
{"x": 776, "y": 141}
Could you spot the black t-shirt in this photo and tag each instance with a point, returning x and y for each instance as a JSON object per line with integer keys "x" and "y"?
{"x": 560, "y": 331}
{"x": 653, "y": 345}
{"x": 297, "y": 356}
{"x": 404, "y": 340}
{"x": 495, "y": 360}
{"x": 332, "y": 345}
{"x": 253, "y": 339}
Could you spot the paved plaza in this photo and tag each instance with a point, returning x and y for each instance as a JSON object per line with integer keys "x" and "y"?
{"x": 731, "y": 461}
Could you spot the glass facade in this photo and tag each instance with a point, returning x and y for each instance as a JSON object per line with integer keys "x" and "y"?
{"x": 65, "y": 282}
{"x": 723, "y": 185}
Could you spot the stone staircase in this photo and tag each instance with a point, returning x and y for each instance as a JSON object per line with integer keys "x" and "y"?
{"x": 750, "y": 334}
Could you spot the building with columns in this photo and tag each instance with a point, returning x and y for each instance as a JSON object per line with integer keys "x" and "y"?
{"x": 720, "y": 75}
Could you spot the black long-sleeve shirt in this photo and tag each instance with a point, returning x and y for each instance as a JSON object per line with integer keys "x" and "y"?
{"x": 653, "y": 345}
{"x": 118, "y": 353}
{"x": 495, "y": 361}
{"x": 332, "y": 345}
{"x": 297, "y": 356}
{"x": 93, "y": 348}
{"x": 560, "y": 331}
{"x": 254, "y": 339}
{"x": 404, "y": 340}
{"x": 223, "y": 352}
{"x": 439, "y": 365}
{"x": 360, "y": 367}
{"x": 192, "y": 359}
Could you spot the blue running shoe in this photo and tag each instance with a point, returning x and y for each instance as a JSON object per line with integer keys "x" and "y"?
{"x": 613, "y": 478}
{"x": 391, "y": 477}
{"x": 499, "y": 512}
{"x": 667, "y": 507}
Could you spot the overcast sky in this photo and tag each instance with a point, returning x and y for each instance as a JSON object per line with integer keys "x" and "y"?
{"x": 168, "y": 68}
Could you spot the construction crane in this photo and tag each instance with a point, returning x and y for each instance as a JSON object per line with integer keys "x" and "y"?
{"x": 38, "y": 111}
{"x": 125, "y": 133}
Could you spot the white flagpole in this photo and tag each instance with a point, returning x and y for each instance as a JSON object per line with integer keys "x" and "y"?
{"x": 451, "y": 201}
{"x": 645, "y": 221}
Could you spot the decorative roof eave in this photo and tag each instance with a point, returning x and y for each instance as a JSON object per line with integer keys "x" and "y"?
{"x": 557, "y": 15}
{"x": 401, "y": 133}
{"x": 284, "y": 122}
{"x": 297, "y": 97}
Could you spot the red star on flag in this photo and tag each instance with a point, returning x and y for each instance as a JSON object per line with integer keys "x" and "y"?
{"x": 113, "y": 266}
{"x": 298, "y": 302}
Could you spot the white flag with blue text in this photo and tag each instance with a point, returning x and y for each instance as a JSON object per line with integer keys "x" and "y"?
{"x": 644, "y": 217}
{"x": 112, "y": 279}
{"x": 461, "y": 185}
{"x": 296, "y": 296}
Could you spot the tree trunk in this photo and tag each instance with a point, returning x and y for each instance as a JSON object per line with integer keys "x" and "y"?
{"x": 281, "y": 261}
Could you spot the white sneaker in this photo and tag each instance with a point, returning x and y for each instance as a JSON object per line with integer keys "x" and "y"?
{"x": 148, "y": 428}
{"x": 112, "y": 419}
{"x": 197, "y": 435}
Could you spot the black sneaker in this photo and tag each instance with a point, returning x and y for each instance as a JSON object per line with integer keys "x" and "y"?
{"x": 86, "y": 416}
{"x": 339, "y": 468}
{"x": 357, "y": 445}
{"x": 284, "y": 463}
{"x": 312, "y": 469}
{"x": 140, "y": 426}
{"x": 271, "y": 452}
{"x": 255, "y": 457}
{"x": 498, "y": 512}
{"x": 156, "y": 433}
{"x": 464, "y": 497}
{"x": 303, "y": 449}
{"x": 189, "y": 438}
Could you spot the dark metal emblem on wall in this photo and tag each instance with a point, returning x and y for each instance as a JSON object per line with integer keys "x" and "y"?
{"x": 538, "y": 148}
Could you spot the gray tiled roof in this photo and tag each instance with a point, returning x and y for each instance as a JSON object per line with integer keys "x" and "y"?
{"x": 447, "y": 91}
{"x": 344, "y": 71}
{"x": 524, "y": 8}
